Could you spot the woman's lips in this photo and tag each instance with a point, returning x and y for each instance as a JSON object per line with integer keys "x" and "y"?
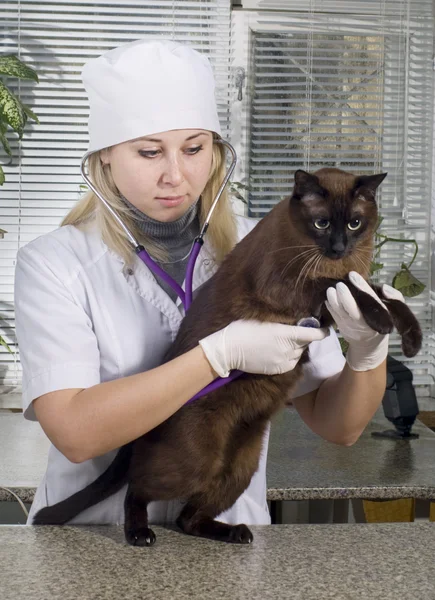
{"x": 171, "y": 200}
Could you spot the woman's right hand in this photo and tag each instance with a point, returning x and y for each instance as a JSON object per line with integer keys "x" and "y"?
{"x": 258, "y": 347}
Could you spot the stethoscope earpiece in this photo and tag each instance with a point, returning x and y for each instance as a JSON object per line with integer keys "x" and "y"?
{"x": 185, "y": 296}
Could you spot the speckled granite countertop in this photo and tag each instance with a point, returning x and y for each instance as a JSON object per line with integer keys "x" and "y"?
{"x": 297, "y": 562}
{"x": 300, "y": 465}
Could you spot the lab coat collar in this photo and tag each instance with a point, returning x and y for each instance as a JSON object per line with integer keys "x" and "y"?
{"x": 142, "y": 280}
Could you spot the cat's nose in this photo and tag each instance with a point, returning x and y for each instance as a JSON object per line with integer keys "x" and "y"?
{"x": 338, "y": 246}
{"x": 338, "y": 249}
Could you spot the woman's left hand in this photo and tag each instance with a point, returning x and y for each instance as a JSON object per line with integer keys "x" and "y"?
{"x": 367, "y": 348}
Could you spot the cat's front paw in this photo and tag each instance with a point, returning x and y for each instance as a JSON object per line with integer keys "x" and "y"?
{"x": 143, "y": 536}
{"x": 240, "y": 534}
{"x": 374, "y": 311}
{"x": 376, "y": 317}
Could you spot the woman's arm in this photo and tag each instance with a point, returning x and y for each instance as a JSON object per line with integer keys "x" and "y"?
{"x": 343, "y": 405}
{"x": 85, "y": 423}
{"x": 341, "y": 408}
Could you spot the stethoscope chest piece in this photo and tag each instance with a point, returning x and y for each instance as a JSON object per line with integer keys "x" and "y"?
{"x": 309, "y": 322}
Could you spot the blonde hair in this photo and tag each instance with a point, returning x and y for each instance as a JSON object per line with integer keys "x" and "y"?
{"x": 89, "y": 209}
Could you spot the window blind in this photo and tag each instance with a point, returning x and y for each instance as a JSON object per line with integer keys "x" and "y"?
{"x": 352, "y": 90}
{"x": 378, "y": 8}
{"x": 57, "y": 38}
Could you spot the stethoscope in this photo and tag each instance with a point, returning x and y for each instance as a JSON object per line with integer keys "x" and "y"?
{"x": 184, "y": 295}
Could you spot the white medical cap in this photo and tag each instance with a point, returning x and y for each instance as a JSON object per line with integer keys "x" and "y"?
{"x": 147, "y": 87}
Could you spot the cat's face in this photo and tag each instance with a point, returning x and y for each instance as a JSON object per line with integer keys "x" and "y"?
{"x": 335, "y": 210}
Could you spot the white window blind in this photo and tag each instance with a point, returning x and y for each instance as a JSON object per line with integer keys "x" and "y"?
{"x": 350, "y": 89}
{"x": 57, "y": 38}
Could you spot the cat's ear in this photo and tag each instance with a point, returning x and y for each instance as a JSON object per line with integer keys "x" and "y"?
{"x": 366, "y": 185}
{"x": 306, "y": 183}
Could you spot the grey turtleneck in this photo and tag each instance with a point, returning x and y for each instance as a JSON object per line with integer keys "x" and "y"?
{"x": 176, "y": 237}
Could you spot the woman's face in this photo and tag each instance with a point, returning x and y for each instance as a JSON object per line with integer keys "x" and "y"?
{"x": 162, "y": 174}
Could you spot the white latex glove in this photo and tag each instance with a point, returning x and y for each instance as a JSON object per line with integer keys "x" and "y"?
{"x": 257, "y": 347}
{"x": 391, "y": 293}
{"x": 367, "y": 348}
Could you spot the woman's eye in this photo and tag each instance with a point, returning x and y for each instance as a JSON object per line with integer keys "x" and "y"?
{"x": 154, "y": 153}
{"x": 194, "y": 150}
{"x": 149, "y": 153}
{"x": 354, "y": 224}
{"x": 321, "y": 223}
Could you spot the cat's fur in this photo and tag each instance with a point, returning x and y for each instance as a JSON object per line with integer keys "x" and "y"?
{"x": 207, "y": 452}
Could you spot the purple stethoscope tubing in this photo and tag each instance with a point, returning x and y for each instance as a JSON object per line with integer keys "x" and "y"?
{"x": 185, "y": 296}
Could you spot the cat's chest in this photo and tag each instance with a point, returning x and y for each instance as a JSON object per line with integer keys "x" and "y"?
{"x": 293, "y": 304}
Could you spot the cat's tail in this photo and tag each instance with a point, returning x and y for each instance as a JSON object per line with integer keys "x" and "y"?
{"x": 107, "y": 484}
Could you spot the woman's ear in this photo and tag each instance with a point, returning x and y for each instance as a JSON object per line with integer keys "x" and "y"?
{"x": 105, "y": 156}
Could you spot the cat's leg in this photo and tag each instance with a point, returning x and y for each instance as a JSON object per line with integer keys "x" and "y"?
{"x": 405, "y": 322}
{"x": 137, "y": 532}
{"x": 199, "y": 514}
{"x": 221, "y": 491}
{"x": 199, "y": 521}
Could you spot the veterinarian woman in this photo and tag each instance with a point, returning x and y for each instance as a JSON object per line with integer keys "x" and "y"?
{"x": 93, "y": 323}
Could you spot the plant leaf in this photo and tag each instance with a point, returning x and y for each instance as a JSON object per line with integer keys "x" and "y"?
{"x": 375, "y": 266}
{"x": 344, "y": 345}
{"x": 2, "y": 176}
{"x": 234, "y": 188}
{"x": 11, "y": 110}
{"x": 405, "y": 282}
{"x": 3, "y": 343}
{"x": 238, "y": 196}
{"x": 11, "y": 66}
{"x": 29, "y": 113}
{"x": 3, "y": 139}
{"x": 238, "y": 185}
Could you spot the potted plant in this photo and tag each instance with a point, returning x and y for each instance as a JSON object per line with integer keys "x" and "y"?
{"x": 13, "y": 114}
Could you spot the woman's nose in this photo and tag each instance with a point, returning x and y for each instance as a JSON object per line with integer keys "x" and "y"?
{"x": 172, "y": 172}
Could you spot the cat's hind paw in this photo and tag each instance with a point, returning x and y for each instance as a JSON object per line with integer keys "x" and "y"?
{"x": 143, "y": 536}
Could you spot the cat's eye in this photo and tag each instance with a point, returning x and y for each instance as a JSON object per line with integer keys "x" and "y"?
{"x": 321, "y": 223}
{"x": 354, "y": 224}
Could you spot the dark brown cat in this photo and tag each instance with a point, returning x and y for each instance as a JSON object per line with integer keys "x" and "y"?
{"x": 207, "y": 452}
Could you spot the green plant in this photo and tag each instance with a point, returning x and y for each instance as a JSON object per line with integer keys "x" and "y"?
{"x": 3, "y": 343}
{"x": 2, "y": 340}
{"x": 13, "y": 113}
{"x": 403, "y": 280}
{"x": 236, "y": 189}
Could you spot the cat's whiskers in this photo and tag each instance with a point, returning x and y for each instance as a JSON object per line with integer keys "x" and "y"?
{"x": 312, "y": 270}
{"x": 290, "y": 247}
{"x": 366, "y": 251}
{"x": 362, "y": 251}
{"x": 295, "y": 258}
{"x": 360, "y": 261}
{"x": 301, "y": 272}
{"x": 306, "y": 268}
{"x": 316, "y": 265}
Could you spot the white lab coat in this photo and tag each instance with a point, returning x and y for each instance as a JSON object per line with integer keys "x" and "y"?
{"x": 82, "y": 318}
